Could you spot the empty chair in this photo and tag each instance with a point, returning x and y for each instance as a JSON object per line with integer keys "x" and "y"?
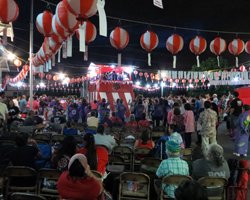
{"x": 20, "y": 179}
{"x": 129, "y": 142}
{"x": 126, "y": 153}
{"x": 97, "y": 174}
{"x": 174, "y": 180}
{"x": 25, "y": 196}
{"x": 134, "y": 186}
{"x": 150, "y": 165}
{"x": 215, "y": 187}
{"x": 155, "y": 135}
{"x": 47, "y": 179}
{"x": 186, "y": 154}
{"x": 139, "y": 154}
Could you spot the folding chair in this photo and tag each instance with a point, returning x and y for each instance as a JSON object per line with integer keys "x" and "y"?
{"x": 20, "y": 179}
{"x": 134, "y": 186}
{"x": 215, "y": 186}
{"x": 115, "y": 164}
{"x": 25, "y": 196}
{"x": 186, "y": 154}
{"x": 128, "y": 142}
{"x": 97, "y": 174}
{"x": 174, "y": 180}
{"x": 150, "y": 165}
{"x": 57, "y": 138}
{"x": 127, "y": 155}
{"x": 47, "y": 179}
{"x": 139, "y": 154}
{"x": 41, "y": 137}
{"x": 155, "y": 135}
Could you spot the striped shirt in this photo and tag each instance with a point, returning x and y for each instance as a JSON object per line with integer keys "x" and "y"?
{"x": 172, "y": 166}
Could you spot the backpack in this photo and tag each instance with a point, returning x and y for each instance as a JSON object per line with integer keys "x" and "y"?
{"x": 159, "y": 151}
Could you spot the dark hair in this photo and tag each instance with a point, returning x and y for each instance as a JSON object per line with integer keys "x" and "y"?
{"x": 143, "y": 115}
{"x": 113, "y": 114}
{"x": 177, "y": 111}
{"x": 207, "y": 104}
{"x": 21, "y": 139}
{"x": 68, "y": 146}
{"x": 145, "y": 136}
{"x": 236, "y": 94}
{"x": 246, "y": 107}
{"x": 214, "y": 107}
{"x": 173, "y": 127}
{"x": 187, "y": 106}
{"x": 100, "y": 129}
{"x": 92, "y": 113}
{"x": 190, "y": 189}
{"x": 77, "y": 170}
{"x": 91, "y": 154}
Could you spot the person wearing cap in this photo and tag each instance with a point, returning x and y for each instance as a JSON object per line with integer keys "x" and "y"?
{"x": 214, "y": 164}
{"x": 172, "y": 165}
{"x": 242, "y": 133}
{"x": 78, "y": 182}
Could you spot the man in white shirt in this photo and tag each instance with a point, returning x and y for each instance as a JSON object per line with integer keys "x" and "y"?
{"x": 3, "y": 111}
{"x": 92, "y": 121}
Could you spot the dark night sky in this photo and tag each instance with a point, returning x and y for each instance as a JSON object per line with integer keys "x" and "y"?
{"x": 222, "y": 15}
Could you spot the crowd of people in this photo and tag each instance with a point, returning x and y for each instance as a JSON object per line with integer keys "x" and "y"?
{"x": 180, "y": 119}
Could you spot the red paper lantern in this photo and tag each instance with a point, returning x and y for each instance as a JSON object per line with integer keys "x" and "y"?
{"x": 44, "y": 23}
{"x": 197, "y": 46}
{"x": 217, "y": 47}
{"x": 58, "y": 29}
{"x": 65, "y": 18}
{"x": 247, "y": 47}
{"x": 49, "y": 77}
{"x": 90, "y": 32}
{"x": 236, "y": 47}
{"x": 170, "y": 80}
{"x": 119, "y": 39}
{"x": 9, "y": 11}
{"x": 17, "y": 62}
{"x": 242, "y": 68}
{"x": 135, "y": 72}
{"x": 184, "y": 81}
{"x": 140, "y": 74}
{"x": 196, "y": 81}
{"x": 55, "y": 78}
{"x": 149, "y": 41}
{"x": 41, "y": 75}
{"x": 26, "y": 68}
{"x": 83, "y": 9}
{"x": 177, "y": 81}
{"x": 190, "y": 80}
{"x": 174, "y": 44}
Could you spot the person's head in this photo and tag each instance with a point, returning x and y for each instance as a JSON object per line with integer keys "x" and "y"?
{"x": 91, "y": 155}
{"x": 132, "y": 117}
{"x": 118, "y": 101}
{"x": 177, "y": 111}
{"x": 21, "y": 139}
{"x": 173, "y": 148}
{"x": 103, "y": 100}
{"x": 92, "y": 114}
{"x": 11, "y": 103}
{"x": 246, "y": 107}
{"x": 68, "y": 146}
{"x": 176, "y": 105}
{"x": 143, "y": 116}
{"x": 78, "y": 166}
{"x": 31, "y": 113}
{"x": 236, "y": 94}
{"x": 190, "y": 189}
{"x": 172, "y": 128}
{"x": 187, "y": 106}
{"x": 145, "y": 136}
{"x": 207, "y": 104}
{"x": 100, "y": 129}
{"x": 215, "y": 154}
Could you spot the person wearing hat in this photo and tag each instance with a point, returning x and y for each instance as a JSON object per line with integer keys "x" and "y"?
{"x": 172, "y": 165}
{"x": 78, "y": 182}
{"x": 213, "y": 165}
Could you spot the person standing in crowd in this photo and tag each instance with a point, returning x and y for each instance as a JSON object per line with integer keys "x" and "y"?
{"x": 139, "y": 109}
{"x": 35, "y": 104}
{"x": 92, "y": 121}
{"x": 73, "y": 112}
{"x": 235, "y": 111}
{"x": 157, "y": 115}
{"x": 178, "y": 120}
{"x": 12, "y": 114}
{"x": 171, "y": 112}
{"x": 171, "y": 166}
{"x": 121, "y": 110}
{"x": 78, "y": 182}
{"x": 189, "y": 123}
{"x": 23, "y": 104}
{"x": 208, "y": 121}
{"x": 214, "y": 164}
{"x": 242, "y": 133}
{"x": 82, "y": 109}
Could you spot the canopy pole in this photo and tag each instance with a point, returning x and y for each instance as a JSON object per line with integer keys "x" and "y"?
{"x": 31, "y": 53}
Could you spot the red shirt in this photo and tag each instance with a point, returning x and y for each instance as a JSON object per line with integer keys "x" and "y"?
{"x": 144, "y": 123}
{"x": 102, "y": 158}
{"x": 78, "y": 189}
{"x": 132, "y": 124}
{"x": 149, "y": 144}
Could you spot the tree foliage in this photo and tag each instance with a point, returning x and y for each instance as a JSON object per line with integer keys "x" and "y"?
{"x": 211, "y": 64}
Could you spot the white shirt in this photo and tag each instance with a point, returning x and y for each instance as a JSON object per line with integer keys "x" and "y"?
{"x": 3, "y": 110}
{"x": 92, "y": 121}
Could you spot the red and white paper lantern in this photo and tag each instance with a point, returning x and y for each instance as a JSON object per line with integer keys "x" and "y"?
{"x": 236, "y": 47}
{"x": 119, "y": 39}
{"x": 217, "y": 47}
{"x": 247, "y": 47}
{"x": 174, "y": 44}
{"x": 197, "y": 46}
{"x": 44, "y": 23}
{"x": 89, "y": 37}
{"x": 149, "y": 41}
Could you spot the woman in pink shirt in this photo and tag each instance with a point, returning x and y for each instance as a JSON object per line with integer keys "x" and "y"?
{"x": 189, "y": 124}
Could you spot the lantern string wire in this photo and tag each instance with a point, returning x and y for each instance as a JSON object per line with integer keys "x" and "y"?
{"x": 168, "y": 26}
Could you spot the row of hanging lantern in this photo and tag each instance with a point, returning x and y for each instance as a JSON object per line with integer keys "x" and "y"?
{"x": 70, "y": 17}
{"x": 22, "y": 74}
